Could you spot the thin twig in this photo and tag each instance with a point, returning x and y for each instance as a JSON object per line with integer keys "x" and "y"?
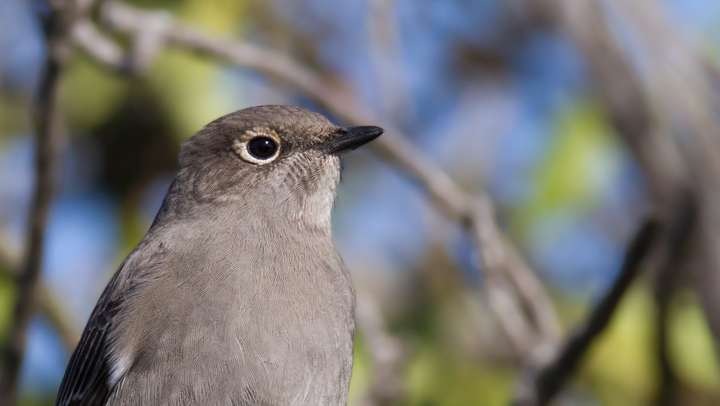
{"x": 49, "y": 304}
{"x": 668, "y": 381}
{"x": 9, "y": 257}
{"x": 675, "y": 147}
{"x": 674, "y": 251}
{"x": 58, "y": 315}
{"x": 677, "y": 81}
{"x": 503, "y": 298}
{"x": 393, "y": 146}
{"x": 47, "y": 139}
{"x": 387, "y": 353}
{"x": 88, "y": 38}
{"x": 552, "y": 377}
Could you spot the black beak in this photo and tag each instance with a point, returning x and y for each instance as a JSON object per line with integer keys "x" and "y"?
{"x": 352, "y": 138}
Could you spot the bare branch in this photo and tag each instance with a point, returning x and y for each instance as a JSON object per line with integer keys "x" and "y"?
{"x": 674, "y": 249}
{"x": 50, "y": 305}
{"x": 502, "y": 258}
{"x": 551, "y": 378}
{"x": 393, "y": 146}
{"x": 86, "y": 36}
{"x": 387, "y": 353}
{"x": 502, "y": 296}
{"x": 59, "y": 317}
{"x": 47, "y": 139}
{"x": 678, "y": 81}
{"x": 9, "y": 258}
{"x": 624, "y": 95}
{"x": 538, "y": 303}
{"x": 668, "y": 381}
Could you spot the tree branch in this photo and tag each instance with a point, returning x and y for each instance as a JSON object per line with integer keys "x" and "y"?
{"x": 50, "y": 305}
{"x": 387, "y": 353}
{"x": 675, "y": 141}
{"x": 540, "y": 390}
{"x": 674, "y": 249}
{"x": 47, "y": 139}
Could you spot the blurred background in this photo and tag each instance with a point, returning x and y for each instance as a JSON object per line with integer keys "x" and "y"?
{"x": 505, "y": 96}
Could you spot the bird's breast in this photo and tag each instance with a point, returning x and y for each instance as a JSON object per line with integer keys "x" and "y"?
{"x": 230, "y": 313}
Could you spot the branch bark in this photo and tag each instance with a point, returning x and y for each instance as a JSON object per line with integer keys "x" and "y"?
{"x": 51, "y": 307}
{"x": 675, "y": 249}
{"x": 679, "y": 166}
{"x": 541, "y": 388}
{"x": 48, "y": 140}
{"x": 680, "y": 82}
{"x": 387, "y": 353}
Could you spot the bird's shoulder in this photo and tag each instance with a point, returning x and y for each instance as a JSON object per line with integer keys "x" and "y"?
{"x": 88, "y": 379}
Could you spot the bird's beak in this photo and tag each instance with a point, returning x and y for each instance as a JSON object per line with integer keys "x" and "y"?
{"x": 351, "y": 138}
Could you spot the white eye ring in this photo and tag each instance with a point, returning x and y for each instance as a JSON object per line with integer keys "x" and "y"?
{"x": 242, "y": 148}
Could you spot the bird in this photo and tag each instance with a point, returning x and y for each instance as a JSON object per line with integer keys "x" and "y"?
{"x": 237, "y": 294}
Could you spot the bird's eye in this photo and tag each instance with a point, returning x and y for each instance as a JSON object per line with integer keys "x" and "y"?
{"x": 262, "y": 147}
{"x": 259, "y": 150}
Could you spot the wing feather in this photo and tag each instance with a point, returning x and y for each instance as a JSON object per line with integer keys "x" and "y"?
{"x": 86, "y": 381}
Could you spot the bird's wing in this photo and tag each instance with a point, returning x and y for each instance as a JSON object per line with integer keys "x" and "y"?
{"x": 86, "y": 380}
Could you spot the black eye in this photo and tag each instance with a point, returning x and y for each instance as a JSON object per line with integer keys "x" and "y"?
{"x": 262, "y": 147}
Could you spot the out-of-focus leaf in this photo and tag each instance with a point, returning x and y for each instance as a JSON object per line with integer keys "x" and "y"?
{"x": 13, "y": 116}
{"x": 581, "y": 163}
{"x": 623, "y": 357}
{"x": 436, "y": 377}
{"x": 218, "y": 16}
{"x": 692, "y": 349}
{"x": 88, "y": 94}
{"x": 362, "y": 373}
{"x": 190, "y": 87}
{"x": 7, "y": 298}
{"x": 622, "y": 366}
{"x": 37, "y": 400}
{"x": 186, "y": 85}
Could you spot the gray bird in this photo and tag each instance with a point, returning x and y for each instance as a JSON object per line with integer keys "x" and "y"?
{"x": 237, "y": 294}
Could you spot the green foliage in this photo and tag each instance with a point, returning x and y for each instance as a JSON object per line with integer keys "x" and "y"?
{"x": 623, "y": 358}
{"x": 438, "y": 377}
{"x": 692, "y": 350}
{"x": 362, "y": 372}
{"x": 13, "y": 116}
{"x": 187, "y": 88}
{"x": 622, "y": 366}
{"x": 7, "y": 299}
{"x": 188, "y": 85}
{"x": 89, "y": 94}
{"x": 583, "y": 159}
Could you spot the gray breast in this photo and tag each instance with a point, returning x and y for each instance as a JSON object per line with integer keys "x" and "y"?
{"x": 252, "y": 324}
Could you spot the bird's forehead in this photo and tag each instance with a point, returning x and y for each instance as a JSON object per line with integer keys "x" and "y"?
{"x": 290, "y": 123}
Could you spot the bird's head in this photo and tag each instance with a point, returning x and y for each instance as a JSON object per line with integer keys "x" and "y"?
{"x": 279, "y": 158}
